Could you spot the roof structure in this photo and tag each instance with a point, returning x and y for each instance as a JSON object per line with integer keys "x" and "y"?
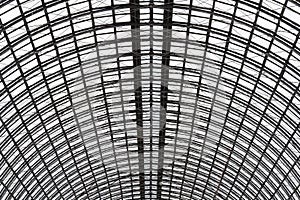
{"x": 147, "y": 99}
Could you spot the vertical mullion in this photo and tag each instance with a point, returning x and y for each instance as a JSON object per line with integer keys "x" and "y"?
{"x": 178, "y": 110}
{"x": 136, "y": 48}
{"x": 75, "y": 116}
{"x": 49, "y": 93}
{"x": 167, "y": 33}
{"x": 251, "y": 96}
{"x": 202, "y": 67}
{"x": 268, "y": 104}
{"x": 35, "y": 106}
{"x": 9, "y": 165}
{"x": 151, "y": 22}
{"x": 222, "y": 64}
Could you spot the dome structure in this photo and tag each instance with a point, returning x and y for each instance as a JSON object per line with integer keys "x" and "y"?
{"x": 135, "y": 99}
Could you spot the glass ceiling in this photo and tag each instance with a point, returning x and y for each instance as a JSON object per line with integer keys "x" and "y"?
{"x": 137, "y": 99}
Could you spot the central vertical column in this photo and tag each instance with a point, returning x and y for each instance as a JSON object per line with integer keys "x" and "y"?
{"x": 136, "y": 53}
{"x": 167, "y": 34}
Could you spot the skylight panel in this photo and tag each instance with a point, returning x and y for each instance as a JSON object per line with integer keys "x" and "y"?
{"x": 261, "y": 39}
{"x": 11, "y": 9}
{"x": 56, "y": 11}
{"x": 292, "y": 12}
{"x": 267, "y": 21}
{"x": 123, "y": 15}
{"x": 77, "y": 6}
{"x": 225, "y": 6}
{"x": 273, "y": 5}
{"x": 246, "y": 12}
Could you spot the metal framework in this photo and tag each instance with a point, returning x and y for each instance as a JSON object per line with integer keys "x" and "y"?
{"x": 158, "y": 121}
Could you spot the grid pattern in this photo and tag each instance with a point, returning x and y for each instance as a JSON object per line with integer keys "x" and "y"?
{"x": 136, "y": 99}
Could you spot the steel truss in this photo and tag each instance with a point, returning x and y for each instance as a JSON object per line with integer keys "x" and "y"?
{"x": 237, "y": 138}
